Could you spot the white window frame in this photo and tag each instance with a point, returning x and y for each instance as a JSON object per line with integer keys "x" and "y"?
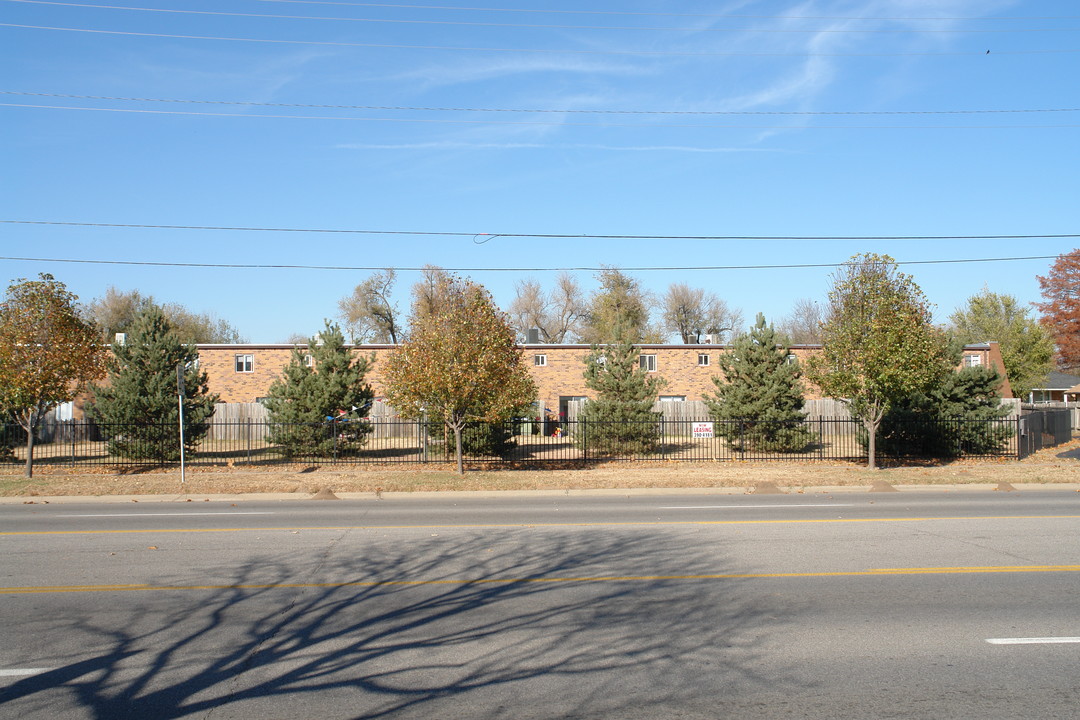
{"x": 647, "y": 362}
{"x": 791, "y": 359}
{"x": 972, "y": 360}
{"x": 65, "y": 410}
{"x": 244, "y": 363}
{"x": 309, "y": 361}
{"x": 540, "y": 360}
{"x": 703, "y": 360}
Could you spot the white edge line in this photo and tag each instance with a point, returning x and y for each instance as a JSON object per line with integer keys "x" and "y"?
{"x": 21, "y": 672}
{"x": 740, "y": 507}
{"x": 1032, "y": 640}
{"x": 137, "y": 514}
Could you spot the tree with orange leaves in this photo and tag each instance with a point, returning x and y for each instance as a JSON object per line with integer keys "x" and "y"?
{"x": 461, "y": 362}
{"x": 1061, "y": 311}
{"x": 47, "y": 352}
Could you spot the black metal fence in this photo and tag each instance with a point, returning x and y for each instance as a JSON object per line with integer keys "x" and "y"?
{"x": 529, "y": 442}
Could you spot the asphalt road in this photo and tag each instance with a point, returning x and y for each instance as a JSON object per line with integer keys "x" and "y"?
{"x": 906, "y": 605}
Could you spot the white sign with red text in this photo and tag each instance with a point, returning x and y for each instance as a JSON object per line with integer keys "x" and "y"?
{"x": 703, "y": 429}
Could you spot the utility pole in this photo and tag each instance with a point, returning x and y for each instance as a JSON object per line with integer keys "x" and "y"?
{"x": 180, "y": 392}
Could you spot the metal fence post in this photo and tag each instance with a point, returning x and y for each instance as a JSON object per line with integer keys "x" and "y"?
{"x": 421, "y": 426}
{"x": 821, "y": 437}
{"x": 1019, "y": 440}
{"x": 584, "y": 438}
{"x": 333, "y": 429}
{"x": 248, "y": 440}
{"x": 663, "y": 438}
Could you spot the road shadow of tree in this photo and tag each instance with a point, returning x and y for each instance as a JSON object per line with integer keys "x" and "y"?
{"x": 590, "y": 624}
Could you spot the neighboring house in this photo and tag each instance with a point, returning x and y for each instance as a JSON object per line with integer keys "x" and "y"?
{"x": 243, "y": 373}
{"x": 1056, "y": 387}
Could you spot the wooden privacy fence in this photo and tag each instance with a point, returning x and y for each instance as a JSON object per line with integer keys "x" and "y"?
{"x": 1041, "y": 429}
{"x": 234, "y": 421}
{"x": 697, "y": 409}
{"x": 1072, "y": 409}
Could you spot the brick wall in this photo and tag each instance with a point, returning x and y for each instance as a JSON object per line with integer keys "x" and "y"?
{"x": 560, "y": 376}
{"x": 269, "y": 361}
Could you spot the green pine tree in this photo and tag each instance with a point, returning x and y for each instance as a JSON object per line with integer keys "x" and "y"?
{"x": 957, "y": 415}
{"x": 621, "y": 420}
{"x": 758, "y": 403}
{"x": 137, "y": 408}
{"x": 318, "y": 409}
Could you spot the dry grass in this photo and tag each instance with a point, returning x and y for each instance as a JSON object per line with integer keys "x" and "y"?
{"x": 1056, "y": 465}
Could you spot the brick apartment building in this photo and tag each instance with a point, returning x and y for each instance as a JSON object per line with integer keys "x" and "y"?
{"x": 243, "y": 373}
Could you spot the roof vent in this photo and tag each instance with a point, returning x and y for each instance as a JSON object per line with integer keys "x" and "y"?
{"x": 532, "y": 336}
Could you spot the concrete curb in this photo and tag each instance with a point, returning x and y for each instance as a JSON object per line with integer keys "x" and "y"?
{"x": 466, "y": 494}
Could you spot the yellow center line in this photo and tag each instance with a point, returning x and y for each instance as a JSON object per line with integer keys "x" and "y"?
{"x": 875, "y": 572}
{"x": 445, "y": 526}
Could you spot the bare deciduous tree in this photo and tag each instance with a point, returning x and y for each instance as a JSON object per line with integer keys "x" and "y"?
{"x": 803, "y": 325}
{"x": 116, "y": 310}
{"x": 430, "y": 292}
{"x": 618, "y": 310}
{"x": 692, "y": 313}
{"x": 556, "y": 314}
{"x": 369, "y": 314}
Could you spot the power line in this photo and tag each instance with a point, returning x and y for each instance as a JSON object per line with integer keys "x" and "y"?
{"x": 559, "y": 111}
{"x": 398, "y": 21}
{"x": 549, "y": 236}
{"x": 643, "y": 53}
{"x": 654, "y": 14}
{"x": 246, "y": 266}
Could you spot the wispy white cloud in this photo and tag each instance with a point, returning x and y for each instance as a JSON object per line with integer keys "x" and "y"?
{"x": 808, "y": 79}
{"x": 432, "y": 76}
{"x": 258, "y": 79}
{"x": 457, "y": 145}
{"x": 803, "y": 82}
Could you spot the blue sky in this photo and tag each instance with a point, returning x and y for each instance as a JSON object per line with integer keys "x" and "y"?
{"x": 562, "y": 163}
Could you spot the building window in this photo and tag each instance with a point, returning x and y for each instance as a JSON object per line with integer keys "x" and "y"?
{"x": 245, "y": 363}
{"x": 703, "y": 360}
{"x": 65, "y": 411}
{"x": 672, "y": 398}
{"x": 539, "y": 360}
{"x": 972, "y": 360}
{"x": 792, "y": 359}
{"x": 647, "y": 363}
{"x": 309, "y": 361}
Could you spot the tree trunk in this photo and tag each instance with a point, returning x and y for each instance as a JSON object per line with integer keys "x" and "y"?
{"x": 29, "y": 424}
{"x": 871, "y": 443}
{"x": 29, "y": 472}
{"x": 457, "y": 442}
{"x": 875, "y": 413}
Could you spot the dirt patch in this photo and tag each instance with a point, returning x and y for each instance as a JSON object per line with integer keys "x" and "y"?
{"x": 1055, "y": 465}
